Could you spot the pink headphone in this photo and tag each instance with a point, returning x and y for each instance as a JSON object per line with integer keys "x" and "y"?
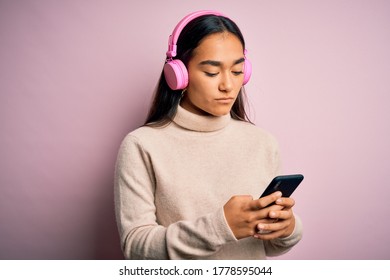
{"x": 175, "y": 72}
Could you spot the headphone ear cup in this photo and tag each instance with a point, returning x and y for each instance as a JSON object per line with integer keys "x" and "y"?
{"x": 176, "y": 74}
{"x": 247, "y": 71}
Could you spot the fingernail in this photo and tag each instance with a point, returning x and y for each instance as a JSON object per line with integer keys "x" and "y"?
{"x": 260, "y": 226}
{"x": 272, "y": 214}
{"x": 279, "y": 200}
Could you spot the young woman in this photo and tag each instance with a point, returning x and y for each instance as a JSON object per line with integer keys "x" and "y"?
{"x": 187, "y": 182}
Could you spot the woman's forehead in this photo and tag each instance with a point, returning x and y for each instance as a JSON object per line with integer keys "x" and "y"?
{"x": 223, "y": 47}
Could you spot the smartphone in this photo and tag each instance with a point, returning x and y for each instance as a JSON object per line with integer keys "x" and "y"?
{"x": 284, "y": 183}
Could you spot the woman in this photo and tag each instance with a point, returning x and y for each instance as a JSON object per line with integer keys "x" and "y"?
{"x": 186, "y": 181}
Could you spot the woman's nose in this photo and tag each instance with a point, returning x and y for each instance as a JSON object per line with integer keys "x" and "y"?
{"x": 226, "y": 83}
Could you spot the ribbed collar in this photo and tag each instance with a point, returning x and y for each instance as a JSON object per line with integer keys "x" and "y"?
{"x": 191, "y": 121}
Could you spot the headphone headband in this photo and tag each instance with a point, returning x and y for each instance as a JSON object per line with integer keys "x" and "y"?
{"x": 172, "y": 41}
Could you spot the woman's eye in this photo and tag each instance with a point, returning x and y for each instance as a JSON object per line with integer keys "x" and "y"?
{"x": 211, "y": 74}
{"x": 237, "y": 73}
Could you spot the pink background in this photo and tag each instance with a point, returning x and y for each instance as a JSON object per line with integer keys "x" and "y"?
{"x": 76, "y": 76}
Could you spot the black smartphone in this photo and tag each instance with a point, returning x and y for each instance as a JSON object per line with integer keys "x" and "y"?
{"x": 284, "y": 183}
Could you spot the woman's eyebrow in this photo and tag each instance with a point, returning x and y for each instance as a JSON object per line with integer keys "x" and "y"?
{"x": 238, "y": 61}
{"x": 219, "y": 63}
{"x": 210, "y": 62}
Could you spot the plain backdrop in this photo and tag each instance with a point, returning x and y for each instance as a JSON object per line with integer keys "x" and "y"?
{"x": 77, "y": 76}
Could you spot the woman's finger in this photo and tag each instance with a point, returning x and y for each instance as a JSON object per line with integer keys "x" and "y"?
{"x": 263, "y": 202}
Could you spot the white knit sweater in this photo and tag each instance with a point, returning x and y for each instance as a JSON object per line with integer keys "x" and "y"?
{"x": 171, "y": 184}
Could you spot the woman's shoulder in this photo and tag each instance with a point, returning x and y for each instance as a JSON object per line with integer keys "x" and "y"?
{"x": 145, "y": 131}
{"x": 144, "y": 135}
{"x": 253, "y": 131}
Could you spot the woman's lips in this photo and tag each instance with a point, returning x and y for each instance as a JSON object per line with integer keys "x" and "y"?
{"x": 225, "y": 100}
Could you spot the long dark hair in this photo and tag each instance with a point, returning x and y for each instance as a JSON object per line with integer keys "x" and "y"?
{"x": 165, "y": 100}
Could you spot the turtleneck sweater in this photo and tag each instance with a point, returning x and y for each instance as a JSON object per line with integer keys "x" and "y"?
{"x": 172, "y": 182}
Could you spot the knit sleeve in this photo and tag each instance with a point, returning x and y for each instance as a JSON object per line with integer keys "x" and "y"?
{"x": 140, "y": 234}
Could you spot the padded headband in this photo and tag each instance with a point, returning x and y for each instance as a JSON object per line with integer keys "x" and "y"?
{"x": 172, "y": 41}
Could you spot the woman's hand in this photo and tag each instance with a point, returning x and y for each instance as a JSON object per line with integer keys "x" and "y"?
{"x": 281, "y": 223}
{"x": 245, "y": 215}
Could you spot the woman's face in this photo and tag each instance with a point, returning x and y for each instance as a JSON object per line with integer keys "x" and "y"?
{"x": 215, "y": 74}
